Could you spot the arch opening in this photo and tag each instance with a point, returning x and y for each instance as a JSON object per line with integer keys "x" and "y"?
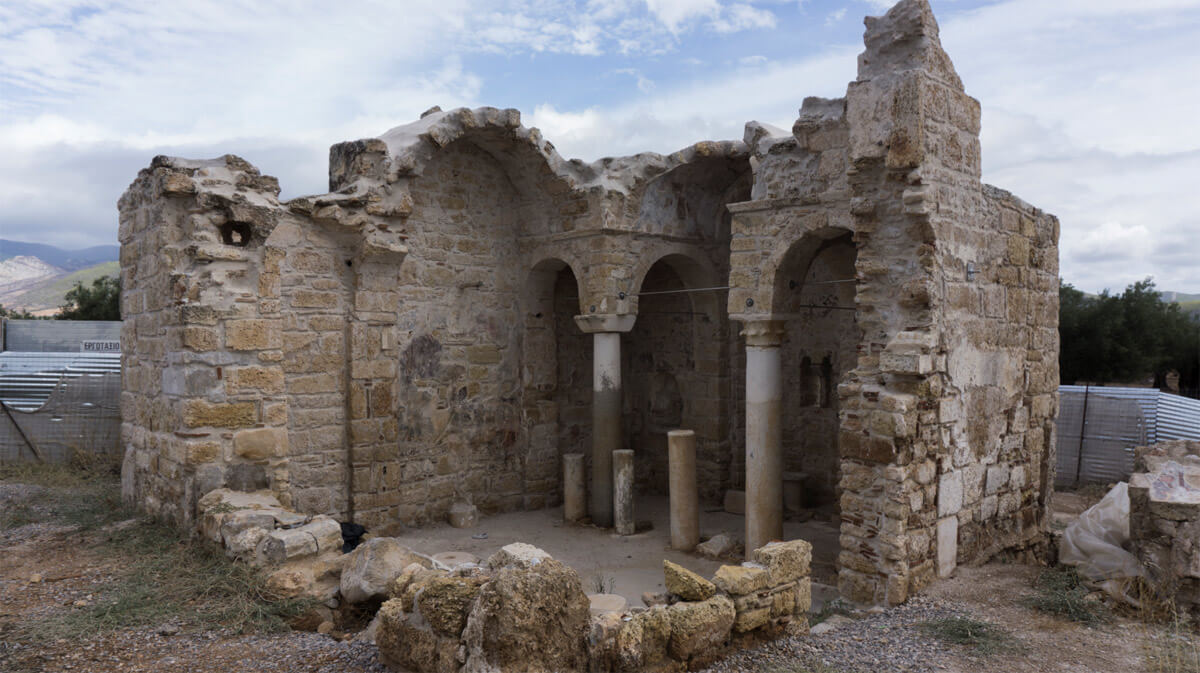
{"x": 820, "y": 346}
{"x": 556, "y": 378}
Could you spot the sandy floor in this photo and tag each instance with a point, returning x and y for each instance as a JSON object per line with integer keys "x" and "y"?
{"x": 631, "y": 564}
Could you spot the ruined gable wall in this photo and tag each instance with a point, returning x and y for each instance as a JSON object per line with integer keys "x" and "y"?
{"x": 947, "y": 403}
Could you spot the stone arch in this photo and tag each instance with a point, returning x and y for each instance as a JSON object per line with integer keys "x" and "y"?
{"x": 694, "y": 269}
{"x": 677, "y": 371}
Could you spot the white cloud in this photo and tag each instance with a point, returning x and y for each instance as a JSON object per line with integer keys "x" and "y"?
{"x": 674, "y": 13}
{"x": 742, "y": 17}
{"x": 835, "y": 16}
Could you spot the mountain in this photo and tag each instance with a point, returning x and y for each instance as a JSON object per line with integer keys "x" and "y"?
{"x": 36, "y": 277}
{"x": 45, "y": 296}
{"x": 24, "y": 269}
{"x": 1178, "y": 297}
{"x": 69, "y": 260}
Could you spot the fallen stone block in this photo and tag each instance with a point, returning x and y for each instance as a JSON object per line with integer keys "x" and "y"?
{"x": 371, "y": 568}
{"x": 686, "y": 584}
{"x": 718, "y": 546}
{"x": 517, "y": 555}
{"x": 406, "y": 642}
{"x": 532, "y": 618}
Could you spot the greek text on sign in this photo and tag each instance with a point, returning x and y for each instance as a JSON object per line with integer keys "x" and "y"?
{"x": 100, "y": 346}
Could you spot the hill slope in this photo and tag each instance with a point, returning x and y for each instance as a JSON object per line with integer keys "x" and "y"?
{"x": 71, "y": 260}
{"x": 49, "y": 294}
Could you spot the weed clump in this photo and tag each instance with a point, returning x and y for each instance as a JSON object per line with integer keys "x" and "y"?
{"x": 983, "y": 637}
{"x": 1061, "y": 592}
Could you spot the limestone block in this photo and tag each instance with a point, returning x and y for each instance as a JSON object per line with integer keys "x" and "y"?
{"x": 947, "y": 545}
{"x": 988, "y": 507}
{"x": 463, "y": 515}
{"x": 741, "y": 580}
{"x": 242, "y": 545}
{"x": 643, "y": 640}
{"x": 749, "y": 620}
{"x": 372, "y": 567}
{"x": 803, "y": 595}
{"x": 290, "y": 582}
{"x": 950, "y": 493}
{"x": 407, "y": 643}
{"x": 533, "y": 618}
{"x": 700, "y": 627}
{"x": 200, "y": 338}
{"x": 252, "y": 334}
{"x": 785, "y": 561}
{"x": 198, "y": 414}
{"x": 446, "y": 601}
{"x": 997, "y": 477}
{"x": 686, "y": 584}
{"x": 517, "y": 555}
{"x": 240, "y": 520}
{"x": 319, "y": 535}
{"x": 718, "y": 546}
{"x": 260, "y": 444}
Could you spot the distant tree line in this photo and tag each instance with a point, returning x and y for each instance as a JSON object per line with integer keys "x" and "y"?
{"x": 1126, "y": 338}
{"x": 100, "y": 301}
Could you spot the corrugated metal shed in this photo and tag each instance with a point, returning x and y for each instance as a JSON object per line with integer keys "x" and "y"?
{"x": 57, "y": 336}
{"x": 1117, "y": 419}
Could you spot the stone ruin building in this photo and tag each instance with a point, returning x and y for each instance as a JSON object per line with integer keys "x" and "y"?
{"x": 465, "y": 306}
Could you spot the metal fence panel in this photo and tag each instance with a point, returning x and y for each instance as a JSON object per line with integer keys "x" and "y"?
{"x": 1105, "y": 427}
{"x": 57, "y": 336}
{"x": 53, "y": 405}
{"x": 82, "y": 414}
{"x": 1178, "y": 418}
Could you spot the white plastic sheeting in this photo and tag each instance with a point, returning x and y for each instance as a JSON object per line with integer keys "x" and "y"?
{"x": 1095, "y": 543}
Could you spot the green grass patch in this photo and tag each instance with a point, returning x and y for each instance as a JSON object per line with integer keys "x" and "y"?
{"x": 983, "y": 637}
{"x": 1061, "y": 592}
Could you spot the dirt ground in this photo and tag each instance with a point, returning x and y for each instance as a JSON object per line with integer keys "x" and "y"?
{"x": 48, "y": 569}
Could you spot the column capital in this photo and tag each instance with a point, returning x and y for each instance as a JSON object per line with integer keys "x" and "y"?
{"x": 591, "y": 323}
{"x": 763, "y": 333}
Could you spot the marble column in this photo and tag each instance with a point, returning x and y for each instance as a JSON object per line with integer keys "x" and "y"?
{"x": 764, "y": 433}
{"x": 606, "y": 407}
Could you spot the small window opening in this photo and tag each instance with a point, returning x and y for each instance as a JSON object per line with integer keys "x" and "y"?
{"x": 236, "y": 233}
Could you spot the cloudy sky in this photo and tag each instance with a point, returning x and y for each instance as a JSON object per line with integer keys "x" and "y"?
{"x": 1091, "y": 107}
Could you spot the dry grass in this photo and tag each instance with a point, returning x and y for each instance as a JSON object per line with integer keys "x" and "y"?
{"x": 164, "y": 577}
{"x": 1176, "y": 650}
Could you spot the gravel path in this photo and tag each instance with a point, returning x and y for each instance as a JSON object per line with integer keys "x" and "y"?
{"x": 148, "y": 650}
{"x": 891, "y": 640}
